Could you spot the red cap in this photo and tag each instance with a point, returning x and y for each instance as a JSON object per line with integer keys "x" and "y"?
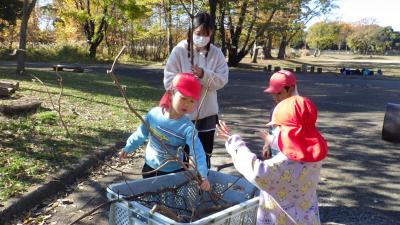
{"x": 187, "y": 84}
{"x": 279, "y": 80}
{"x": 299, "y": 139}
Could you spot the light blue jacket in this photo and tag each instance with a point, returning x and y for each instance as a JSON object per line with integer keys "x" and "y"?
{"x": 175, "y": 134}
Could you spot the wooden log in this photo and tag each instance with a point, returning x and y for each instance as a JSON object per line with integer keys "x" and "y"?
{"x": 8, "y": 88}
{"x": 19, "y": 107}
{"x": 73, "y": 68}
{"x": 6, "y": 92}
{"x": 277, "y": 68}
{"x": 6, "y": 84}
{"x": 304, "y": 68}
{"x": 58, "y": 68}
{"x": 288, "y": 69}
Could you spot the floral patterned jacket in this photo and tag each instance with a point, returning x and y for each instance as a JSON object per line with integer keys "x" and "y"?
{"x": 288, "y": 188}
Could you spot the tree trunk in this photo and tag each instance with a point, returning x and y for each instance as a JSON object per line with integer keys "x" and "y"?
{"x": 94, "y": 35}
{"x": 93, "y": 50}
{"x": 233, "y": 56}
{"x": 213, "y": 9}
{"x": 282, "y": 48}
{"x": 11, "y": 38}
{"x": 222, "y": 26}
{"x": 169, "y": 33}
{"x": 168, "y": 21}
{"x": 268, "y": 48}
{"x": 21, "y": 52}
{"x": 255, "y": 53}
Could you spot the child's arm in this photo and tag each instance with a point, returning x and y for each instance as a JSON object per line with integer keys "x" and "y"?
{"x": 198, "y": 151}
{"x": 136, "y": 139}
{"x": 253, "y": 169}
{"x": 243, "y": 159}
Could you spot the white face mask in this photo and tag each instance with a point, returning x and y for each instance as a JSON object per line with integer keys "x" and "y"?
{"x": 200, "y": 41}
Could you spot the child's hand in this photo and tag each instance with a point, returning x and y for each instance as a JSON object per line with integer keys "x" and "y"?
{"x": 265, "y": 154}
{"x": 223, "y": 130}
{"x": 263, "y": 134}
{"x": 205, "y": 185}
{"x": 122, "y": 154}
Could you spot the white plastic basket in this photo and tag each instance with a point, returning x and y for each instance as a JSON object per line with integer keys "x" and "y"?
{"x": 241, "y": 193}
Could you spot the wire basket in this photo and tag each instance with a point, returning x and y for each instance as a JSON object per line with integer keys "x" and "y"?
{"x": 182, "y": 202}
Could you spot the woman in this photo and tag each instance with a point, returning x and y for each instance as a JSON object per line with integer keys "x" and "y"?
{"x": 210, "y": 67}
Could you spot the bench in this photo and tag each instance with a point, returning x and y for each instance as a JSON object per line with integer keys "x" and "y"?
{"x": 63, "y": 67}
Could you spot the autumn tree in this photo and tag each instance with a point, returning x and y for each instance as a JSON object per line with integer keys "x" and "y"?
{"x": 244, "y": 27}
{"x": 323, "y": 35}
{"x": 10, "y": 10}
{"x": 296, "y": 15}
{"x": 94, "y": 16}
{"x": 345, "y": 30}
{"x": 21, "y": 52}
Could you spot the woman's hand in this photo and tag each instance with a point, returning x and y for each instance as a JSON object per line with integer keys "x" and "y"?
{"x": 197, "y": 71}
{"x": 205, "y": 185}
{"x": 223, "y": 130}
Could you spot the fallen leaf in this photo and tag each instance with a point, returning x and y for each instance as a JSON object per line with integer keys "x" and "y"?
{"x": 67, "y": 201}
{"x": 46, "y": 217}
{"x": 52, "y": 206}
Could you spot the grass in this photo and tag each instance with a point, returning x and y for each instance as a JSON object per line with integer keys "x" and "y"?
{"x": 35, "y": 146}
{"x": 69, "y": 53}
{"x": 390, "y": 65}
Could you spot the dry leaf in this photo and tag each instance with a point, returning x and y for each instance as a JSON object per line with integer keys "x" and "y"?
{"x": 67, "y": 201}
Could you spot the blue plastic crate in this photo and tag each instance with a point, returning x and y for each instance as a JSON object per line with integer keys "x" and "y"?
{"x": 242, "y": 195}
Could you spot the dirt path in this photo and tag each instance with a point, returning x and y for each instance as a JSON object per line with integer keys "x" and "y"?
{"x": 360, "y": 181}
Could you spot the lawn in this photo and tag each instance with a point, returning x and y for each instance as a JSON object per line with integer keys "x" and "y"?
{"x": 390, "y": 65}
{"x": 34, "y": 146}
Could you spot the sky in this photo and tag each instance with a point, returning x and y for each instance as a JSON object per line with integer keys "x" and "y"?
{"x": 385, "y": 12}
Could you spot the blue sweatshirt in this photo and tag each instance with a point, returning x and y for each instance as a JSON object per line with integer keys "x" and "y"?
{"x": 175, "y": 134}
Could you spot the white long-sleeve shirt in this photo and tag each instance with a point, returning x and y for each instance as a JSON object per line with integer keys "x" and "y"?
{"x": 288, "y": 188}
{"x": 215, "y": 69}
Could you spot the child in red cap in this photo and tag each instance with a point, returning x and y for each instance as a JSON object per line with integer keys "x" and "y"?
{"x": 282, "y": 85}
{"x": 288, "y": 181}
{"x": 173, "y": 128}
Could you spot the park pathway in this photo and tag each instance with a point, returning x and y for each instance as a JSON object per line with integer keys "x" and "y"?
{"x": 361, "y": 178}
